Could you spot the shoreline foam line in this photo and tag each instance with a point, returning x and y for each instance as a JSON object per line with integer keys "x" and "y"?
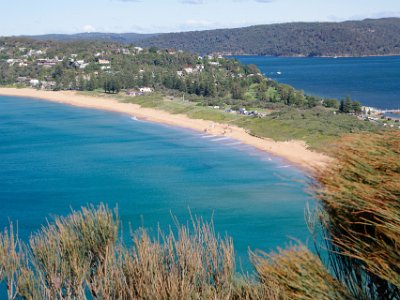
{"x": 295, "y": 152}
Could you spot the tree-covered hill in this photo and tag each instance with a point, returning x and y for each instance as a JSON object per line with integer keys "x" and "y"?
{"x": 350, "y": 38}
{"x": 127, "y": 38}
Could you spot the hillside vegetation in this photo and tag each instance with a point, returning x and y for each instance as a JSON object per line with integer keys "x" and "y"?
{"x": 351, "y": 38}
{"x": 81, "y": 257}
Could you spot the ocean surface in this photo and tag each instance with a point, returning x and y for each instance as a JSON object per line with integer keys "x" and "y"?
{"x": 54, "y": 158}
{"x": 375, "y": 81}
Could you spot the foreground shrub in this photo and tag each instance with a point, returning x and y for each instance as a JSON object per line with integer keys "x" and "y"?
{"x": 79, "y": 255}
{"x": 360, "y": 195}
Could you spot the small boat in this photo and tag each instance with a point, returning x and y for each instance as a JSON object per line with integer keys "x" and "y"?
{"x": 279, "y": 73}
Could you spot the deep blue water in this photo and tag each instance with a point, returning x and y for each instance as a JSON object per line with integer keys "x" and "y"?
{"x": 55, "y": 157}
{"x": 375, "y": 81}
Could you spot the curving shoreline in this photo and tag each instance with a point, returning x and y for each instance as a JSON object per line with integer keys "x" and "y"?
{"x": 293, "y": 151}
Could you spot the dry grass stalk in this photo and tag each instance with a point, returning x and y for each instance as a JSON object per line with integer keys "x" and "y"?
{"x": 10, "y": 261}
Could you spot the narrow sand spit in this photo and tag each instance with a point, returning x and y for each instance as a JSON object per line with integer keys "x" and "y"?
{"x": 293, "y": 151}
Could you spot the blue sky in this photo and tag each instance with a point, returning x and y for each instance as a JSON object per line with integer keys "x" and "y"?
{"x": 149, "y": 16}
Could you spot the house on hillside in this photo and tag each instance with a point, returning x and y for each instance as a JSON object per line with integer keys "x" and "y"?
{"x": 188, "y": 70}
{"x": 48, "y": 85}
{"x": 48, "y": 62}
{"x": 103, "y": 61}
{"x": 35, "y": 52}
{"x": 146, "y": 90}
{"x": 243, "y": 111}
{"x": 13, "y": 61}
{"x": 34, "y": 82}
{"x": 134, "y": 93}
{"x": 199, "y": 68}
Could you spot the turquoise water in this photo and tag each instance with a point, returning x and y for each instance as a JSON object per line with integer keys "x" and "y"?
{"x": 372, "y": 80}
{"x": 55, "y": 157}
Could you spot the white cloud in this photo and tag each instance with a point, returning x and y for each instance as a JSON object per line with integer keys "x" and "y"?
{"x": 89, "y": 28}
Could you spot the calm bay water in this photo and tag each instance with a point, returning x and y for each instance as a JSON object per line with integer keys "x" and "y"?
{"x": 55, "y": 157}
{"x": 372, "y": 80}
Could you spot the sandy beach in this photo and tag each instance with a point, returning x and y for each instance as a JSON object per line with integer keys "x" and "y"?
{"x": 295, "y": 152}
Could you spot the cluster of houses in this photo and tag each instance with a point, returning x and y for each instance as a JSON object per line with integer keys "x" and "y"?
{"x": 33, "y": 82}
{"x": 200, "y": 66}
{"x": 190, "y": 70}
{"x": 27, "y": 55}
{"x": 24, "y": 59}
{"x": 378, "y": 116}
{"x": 18, "y": 61}
{"x": 48, "y": 62}
{"x": 243, "y": 111}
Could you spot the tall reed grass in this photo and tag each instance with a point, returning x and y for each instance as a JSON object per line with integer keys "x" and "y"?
{"x": 360, "y": 196}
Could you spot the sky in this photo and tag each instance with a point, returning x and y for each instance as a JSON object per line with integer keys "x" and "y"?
{"x": 26, "y": 17}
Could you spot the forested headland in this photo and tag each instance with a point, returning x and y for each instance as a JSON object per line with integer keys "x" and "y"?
{"x": 351, "y": 38}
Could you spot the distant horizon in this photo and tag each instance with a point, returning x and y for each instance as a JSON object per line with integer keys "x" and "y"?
{"x": 219, "y": 28}
{"x": 162, "y": 16}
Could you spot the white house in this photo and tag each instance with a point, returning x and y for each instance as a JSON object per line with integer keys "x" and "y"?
{"x": 199, "y": 68}
{"x": 35, "y": 52}
{"x": 134, "y": 93}
{"x": 188, "y": 70}
{"x": 104, "y": 62}
{"x": 145, "y": 90}
{"x": 34, "y": 82}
